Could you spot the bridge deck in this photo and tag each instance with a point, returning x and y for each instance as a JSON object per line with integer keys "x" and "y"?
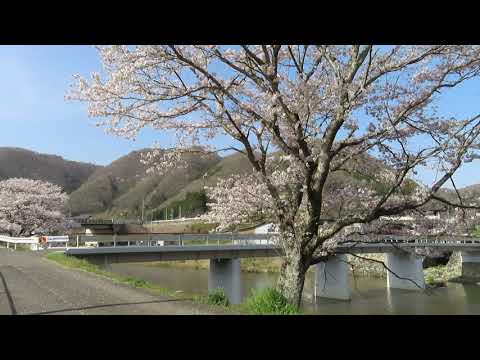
{"x": 240, "y": 246}
{"x": 167, "y": 253}
{"x": 390, "y": 247}
{"x": 198, "y": 252}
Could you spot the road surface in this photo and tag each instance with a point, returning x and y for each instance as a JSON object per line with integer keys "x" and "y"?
{"x": 30, "y": 284}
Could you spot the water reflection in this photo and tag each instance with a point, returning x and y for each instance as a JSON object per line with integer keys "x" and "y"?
{"x": 369, "y": 295}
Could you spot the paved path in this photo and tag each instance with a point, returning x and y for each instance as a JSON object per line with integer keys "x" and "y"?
{"x": 30, "y": 284}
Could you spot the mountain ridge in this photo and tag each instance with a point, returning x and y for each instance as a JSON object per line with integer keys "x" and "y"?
{"x": 25, "y": 163}
{"x": 124, "y": 189}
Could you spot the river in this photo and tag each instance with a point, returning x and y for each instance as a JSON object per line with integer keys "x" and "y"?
{"x": 370, "y": 296}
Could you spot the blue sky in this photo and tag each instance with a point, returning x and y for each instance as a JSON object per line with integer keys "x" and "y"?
{"x": 34, "y": 114}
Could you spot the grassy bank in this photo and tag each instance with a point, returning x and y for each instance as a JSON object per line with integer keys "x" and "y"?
{"x": 264, "y": 302}
{"x": 81, "y": 264}
{"x": 444, "y": 273}
{"x": 251, "y": 265}
{"x": 433, "y": 275}
{"x": 267, "y": 301}
{"x": 272, "y": 265}
{"x": 476, "y": 232}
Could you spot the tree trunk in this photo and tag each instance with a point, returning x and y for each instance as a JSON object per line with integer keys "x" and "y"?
{"x": 292, "y": 277}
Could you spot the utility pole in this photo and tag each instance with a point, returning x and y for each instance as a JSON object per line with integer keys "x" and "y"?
{"x": 143, "y": 206}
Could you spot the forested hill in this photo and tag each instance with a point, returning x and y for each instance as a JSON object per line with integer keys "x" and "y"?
{"x": 123, "y": 187}
{"x": 70, "y": 175}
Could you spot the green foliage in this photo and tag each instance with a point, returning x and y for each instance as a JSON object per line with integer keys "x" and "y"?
{"x": 23, "y": 248}
{"x": 269, "y": 302}
{"x": 227, "y": 166}
{"x": 199, "y": 228}
{"x": 193, "y": 204}
{"x": 218, "y": 297}
{"x": 443, "y": 273}
{"x": 476, "y": 232}
{"x": 409, "y": 187}
{"x": 123, "y": 188}
{"x": 261, "y": 265}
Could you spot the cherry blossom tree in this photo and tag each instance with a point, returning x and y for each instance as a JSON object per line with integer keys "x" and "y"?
{"x": 31, "y": 205}
{"x": 302, "y": 114}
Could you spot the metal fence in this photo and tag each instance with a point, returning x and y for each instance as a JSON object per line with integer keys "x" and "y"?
{"x": 176, "y": 239}
{"x": 34, "y": 242}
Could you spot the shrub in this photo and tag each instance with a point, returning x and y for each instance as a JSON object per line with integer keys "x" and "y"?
{"x": 135, "y": 282}
{"x": 269, "y": 301}
{"x": 476, "y": 232}
{"x": 218, "y": 297}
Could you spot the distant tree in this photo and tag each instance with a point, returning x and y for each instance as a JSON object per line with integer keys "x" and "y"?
{"x": 319, "y": 107}
{"x": 31, "y": 205}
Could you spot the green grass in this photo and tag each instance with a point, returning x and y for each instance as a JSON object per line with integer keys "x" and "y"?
{"x": 200, "y": 228}
{"x": 23, "y": 248}
{"x": 215, "y": 301}
{"x": 476, "y": 232}
{"x": 444, "y": 273}
{"x": 218, "y": 297}
{"x": 81, "y": 264}
{"x": 19, "y": 247}
{"x": 261, "y": 265}
{"x": 249, "y": 265}
{"x": 269, "y": 302}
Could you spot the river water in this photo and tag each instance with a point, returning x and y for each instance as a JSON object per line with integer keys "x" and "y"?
{"x": 370, "y": 296}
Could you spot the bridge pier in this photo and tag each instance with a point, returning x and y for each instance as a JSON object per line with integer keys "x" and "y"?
{"x": 471, "y": 265}
{"x": 331, "y": 279}
{"x": 226, "y": 274}
{"x": 408, "y": 266}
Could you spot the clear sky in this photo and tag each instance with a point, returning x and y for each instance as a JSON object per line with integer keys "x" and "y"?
{"x": 34, "y": 114}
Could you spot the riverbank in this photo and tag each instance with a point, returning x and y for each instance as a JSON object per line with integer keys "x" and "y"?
{"x": 215, "y": 303}
{"x": 369, "y": 295}
{"x": 202, "y": 302}
{"x": 358, "y": 267}
{"x": 33, "y": 285}
{"x": 249, "y": 265}
{"x": 434, "y": 275}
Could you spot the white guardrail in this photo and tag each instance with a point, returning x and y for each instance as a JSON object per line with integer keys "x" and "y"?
{"x": 35, "y": 242}
{"x": 174, "y": 220}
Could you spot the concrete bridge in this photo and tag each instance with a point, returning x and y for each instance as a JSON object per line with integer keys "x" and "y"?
{"x": 331, "y": 280}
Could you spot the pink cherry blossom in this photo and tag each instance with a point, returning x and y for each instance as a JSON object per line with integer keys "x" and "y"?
{"x": 31, "y": 205}
{"x": 301, "y": 114}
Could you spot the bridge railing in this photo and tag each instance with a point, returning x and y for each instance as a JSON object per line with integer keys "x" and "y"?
{"x": 88, "y": 221}
{"x": 179, "y": 239}
{"x": 34, "y": 241}
{"x": 14, "y": 241}
{"x": 262, "y": 239}
{"x": 176, "y": 220}
{"x": 57, "y": 241}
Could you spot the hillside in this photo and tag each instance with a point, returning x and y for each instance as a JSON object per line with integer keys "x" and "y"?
{"x": 123, "y": 188}
{"x": 470, "y": 192}
{"x": 70, "y": 175}
{"x": 229, "y": 165}
{"x": 120, "y": 188}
